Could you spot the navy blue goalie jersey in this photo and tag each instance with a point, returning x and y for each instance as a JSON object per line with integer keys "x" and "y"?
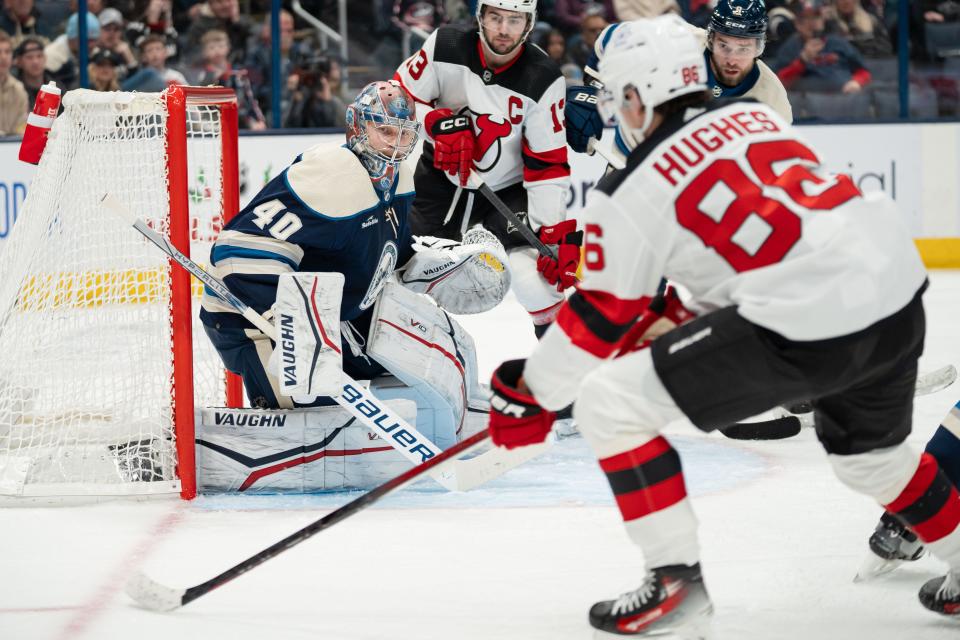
{"x": 321, "y": 213}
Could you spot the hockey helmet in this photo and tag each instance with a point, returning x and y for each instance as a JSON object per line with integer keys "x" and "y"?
{"x": 528, "y": 7}
{"x": 661, "y": 58}
{"x": 739, "y": 19}
{"x": 382, "y": 129}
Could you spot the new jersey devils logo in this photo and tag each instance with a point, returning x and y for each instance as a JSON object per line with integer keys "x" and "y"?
{"x": 488, "y": 149}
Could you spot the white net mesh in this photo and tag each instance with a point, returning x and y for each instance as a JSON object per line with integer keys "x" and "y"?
{"x": 85, "y": 337}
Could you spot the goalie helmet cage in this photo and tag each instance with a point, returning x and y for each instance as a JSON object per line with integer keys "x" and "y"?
{"x": 102, "y": 357}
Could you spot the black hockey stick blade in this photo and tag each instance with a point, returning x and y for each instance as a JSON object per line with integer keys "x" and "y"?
{"x": 776, "y": 429}
{"x": 157, "y": 597}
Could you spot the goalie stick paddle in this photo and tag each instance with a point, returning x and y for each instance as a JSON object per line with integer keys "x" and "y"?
{"x": 355, "y": 399}
{"x": 158, "y": 597}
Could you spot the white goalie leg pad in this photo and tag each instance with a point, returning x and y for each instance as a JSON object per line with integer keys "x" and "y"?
{"x": 463, "y": 278}
{"x": 431, "y": 354}
{"x": 540, "y": 298}
{"x": 292, "y": 450}
{"x": 307, "y": 360}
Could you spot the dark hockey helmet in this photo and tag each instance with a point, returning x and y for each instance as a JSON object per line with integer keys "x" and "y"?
{"x": 739, "y": 19}
{"x": 382, "y": 129}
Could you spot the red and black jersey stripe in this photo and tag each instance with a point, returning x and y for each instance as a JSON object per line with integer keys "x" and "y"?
{"x": 929, "y": 503}
{"x": 596, "y": 321}
{"x": 646, "y": 479}
{"x": 544, "y": 165}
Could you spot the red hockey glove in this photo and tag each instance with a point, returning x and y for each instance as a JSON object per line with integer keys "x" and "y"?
{"x": 453, "y": 142}
{"x": 516, "y": 419}
{"x": 663, "y": 313}
{"x": 562, "y": 271}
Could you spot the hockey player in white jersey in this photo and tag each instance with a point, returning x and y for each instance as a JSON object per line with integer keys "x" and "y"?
{"x": 732, "y": 45}
{"x": 803, "y": 288}
{"x": 492, "y": 104}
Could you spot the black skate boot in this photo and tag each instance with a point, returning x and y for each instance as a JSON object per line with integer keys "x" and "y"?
{"x": 942, "y": 594}
{"x": 891, "y": 544}
{"x": 672, "y": 600}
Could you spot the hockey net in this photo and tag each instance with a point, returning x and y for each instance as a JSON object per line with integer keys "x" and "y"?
{"x": 102, "y": 358}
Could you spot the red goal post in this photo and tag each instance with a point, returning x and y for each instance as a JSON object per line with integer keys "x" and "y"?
{"x": 104, "y": 360}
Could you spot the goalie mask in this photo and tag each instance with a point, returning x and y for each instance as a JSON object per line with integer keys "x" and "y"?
{"x": 382, "y": 130}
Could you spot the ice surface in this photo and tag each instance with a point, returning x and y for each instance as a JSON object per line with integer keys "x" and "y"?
{"x": 521, "y": 558}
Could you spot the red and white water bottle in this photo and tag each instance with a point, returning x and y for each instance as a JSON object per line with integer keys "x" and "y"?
{"x": 39, "y": 122}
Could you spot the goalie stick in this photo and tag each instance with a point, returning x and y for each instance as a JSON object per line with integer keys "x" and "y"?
{"x": 357, "y": 400}
{"x": 157, "y": 597}
{"x": 789, "y": 425}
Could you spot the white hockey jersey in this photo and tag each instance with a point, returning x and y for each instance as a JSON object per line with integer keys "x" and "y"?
{"x": 517, "y": 113}
{"x": 733, "y": 205}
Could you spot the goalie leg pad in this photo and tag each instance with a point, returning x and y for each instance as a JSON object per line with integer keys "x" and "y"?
{"x": 463, "y": 278}
{"x": 292, "y": 451}
{"x": 429, "y": 352}
{"x": 308, "y": 359}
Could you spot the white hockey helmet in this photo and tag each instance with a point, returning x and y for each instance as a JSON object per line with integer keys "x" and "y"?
{"x": 528, "y": 7}
{"x": 661, "y": 58}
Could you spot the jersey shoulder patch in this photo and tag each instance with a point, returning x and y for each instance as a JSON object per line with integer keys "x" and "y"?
{"x": 331, "y": 182}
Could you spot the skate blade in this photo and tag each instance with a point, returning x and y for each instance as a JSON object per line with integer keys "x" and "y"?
{"x": 874, "y": 566}
{"x": 699, "y": 628}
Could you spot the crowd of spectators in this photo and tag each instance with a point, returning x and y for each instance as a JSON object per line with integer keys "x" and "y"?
{"x": 841, "y": 47}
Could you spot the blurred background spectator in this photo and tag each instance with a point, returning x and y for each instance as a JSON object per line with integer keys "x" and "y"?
{"x": 62, "y": 52}
{"x": 13, "y": 97}
{"x": 315, "y": 99}
{"x": 555, "y": 44}
{"x": 30, "y": 67}
{"x": 863, "y": 30}
{"x": 21, "y": 18}
{"x": 215, "y": 68}
{"x": 812, "y": 59}
{"x": 112, "y": 39}
{"x": 569, "y": 14}
{"x": 103, "y": 70}
{"x": 580, "y": 46}
{"x": 155, "y": 18}
{"x": 153, "y": 73}
{"x": 259, "y": 65}
{"x": 225, "y": 16}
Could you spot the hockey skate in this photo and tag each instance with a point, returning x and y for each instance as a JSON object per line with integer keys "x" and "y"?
{"x": 942, "y": 595}
{"x": 891, "y": 545}
{"x": 671, "y": 602}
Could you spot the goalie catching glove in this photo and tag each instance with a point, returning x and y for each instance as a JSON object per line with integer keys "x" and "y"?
{"x": 562, "y": 270}
{"x": 463, "y": 278}
{"x": 453, "y": 142}
{"x": 516, "y": 418}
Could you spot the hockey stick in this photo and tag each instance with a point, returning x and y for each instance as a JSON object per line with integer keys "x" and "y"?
{"x": 355, "y": 399}
{"x": 789, "y": 425}
{"x": 476, "y": 182}
{"x": 593, "y": 146}
{"x": 157, "y": 597}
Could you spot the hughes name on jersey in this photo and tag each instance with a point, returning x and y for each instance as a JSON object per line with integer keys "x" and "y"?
{"x": 517, "y": 113}
{"x": 298, "y": 223}
{"x": 735, "y": 207}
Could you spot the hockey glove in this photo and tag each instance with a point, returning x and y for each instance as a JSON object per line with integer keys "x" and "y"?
{"x": 561, "y": 271}
{"x": 453, "y": 142}
{"x": 516, "y": 419}
{"x": 664, "y": 312}
{"x": 583, "y": 121}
